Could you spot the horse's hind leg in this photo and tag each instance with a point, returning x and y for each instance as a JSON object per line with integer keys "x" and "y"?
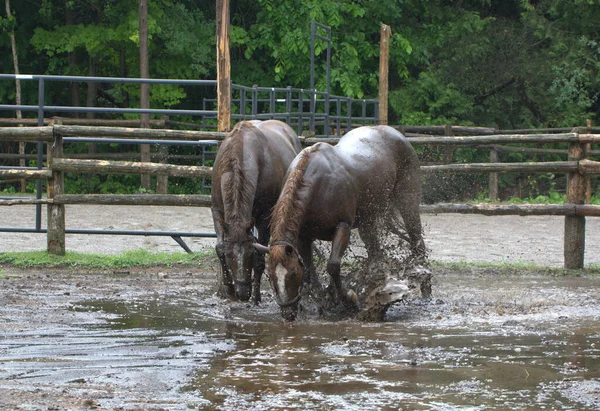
{"x": 406, "y": 201}
{"x": 340, "y": 243}
{"x": 367, "y": 229}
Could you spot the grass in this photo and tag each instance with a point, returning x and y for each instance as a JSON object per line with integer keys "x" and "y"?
{"x": 137, "y": 258}
{"x": 144, "y": 258}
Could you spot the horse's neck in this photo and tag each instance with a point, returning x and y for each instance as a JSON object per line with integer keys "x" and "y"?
{"x": 241, "y": 191}
{"x": 287, "y": 225}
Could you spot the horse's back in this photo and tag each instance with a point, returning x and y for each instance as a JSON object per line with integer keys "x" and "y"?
{"x": 262, "y": 151}
{"x": 261, "y": 141}
{"x": 365, "y": 147}
{"x": 280, "y": 135}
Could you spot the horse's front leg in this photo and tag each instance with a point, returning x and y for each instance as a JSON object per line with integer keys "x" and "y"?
{"x": 225, "y": 289}
{"x": 339, "y": 245}
{"x": 259, "y": 262}
{"x": 306, "y": 253}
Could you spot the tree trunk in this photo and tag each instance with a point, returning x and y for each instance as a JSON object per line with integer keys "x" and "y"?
{"x": 91, "y": 96}
{"x": 123, "y": 73}
{"x": 144, "y": 93}
{"x": 75, "y": 101}
{"x": 13, "y": 44}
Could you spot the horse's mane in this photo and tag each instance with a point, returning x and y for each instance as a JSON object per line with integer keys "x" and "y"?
{"x": 289, "y": 210}
{"x": 238, "y": 193}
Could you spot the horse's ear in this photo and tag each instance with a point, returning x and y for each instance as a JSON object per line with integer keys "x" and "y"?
{"x": 289, "y": 249}
{"x": 261, "y": 248}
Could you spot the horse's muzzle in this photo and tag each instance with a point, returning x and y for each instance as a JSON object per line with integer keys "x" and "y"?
{"x": 243, "y": 290}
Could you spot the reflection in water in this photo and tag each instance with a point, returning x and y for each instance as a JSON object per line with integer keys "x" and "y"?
{"x": 439, "y": 356}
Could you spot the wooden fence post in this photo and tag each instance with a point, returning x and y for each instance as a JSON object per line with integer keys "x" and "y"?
{"x": 588, "y": 178}
{"x": 448, "y": 149}
{"x": 493, "y": 182}
{"x": 384, "y": 54}
{"x": 162, "y": 181}
{"x": 56, "y": 212}
{"x": 223, "y": 67}
{"x": 574, "y": 239}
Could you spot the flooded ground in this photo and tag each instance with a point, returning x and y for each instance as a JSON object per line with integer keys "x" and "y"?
{"x": 160, "y": 339}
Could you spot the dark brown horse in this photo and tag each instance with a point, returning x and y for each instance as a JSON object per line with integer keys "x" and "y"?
{"x": 248, "y": 174}
{"x": 371, "y": 176}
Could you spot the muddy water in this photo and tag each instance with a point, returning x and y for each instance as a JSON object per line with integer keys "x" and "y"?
{"x": 486, "y": 341}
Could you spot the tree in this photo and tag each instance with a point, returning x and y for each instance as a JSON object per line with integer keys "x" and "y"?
{"x": 144, "y": 92}
{"x": 15, "y": 59}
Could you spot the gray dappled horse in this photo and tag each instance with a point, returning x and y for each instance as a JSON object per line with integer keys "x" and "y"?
{"x": 370, "y": 176}
{"x": 248, "y": 174}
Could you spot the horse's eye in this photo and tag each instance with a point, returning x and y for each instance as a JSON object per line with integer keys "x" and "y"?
{"x": 289, "y": 250}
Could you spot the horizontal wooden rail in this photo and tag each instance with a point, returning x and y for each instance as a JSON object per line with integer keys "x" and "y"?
{"x": 128, "y": 167}
{"x": 22, "y": 201}
{"x": 197, "y": 200}
{"x": 589, "y": 138}
{"x": 582, "y": 166}
{"x": 534, "y": 151}
{"x": 191, "y": 200}
{"x": 26, "y": 134}
{"x": 46, "y": 133}
{"x": 25, "y": 174}
{"x": 569, "y": 209}
{"x": 496, "y": 139}
{"x": 589, "y": 166}
{"x": 32, "y": 122}
{"x": 539, "y": 167}
{"x": 478, "y": 140}
{"x": 443, "y": 129}
{"x": 137, "y": 133}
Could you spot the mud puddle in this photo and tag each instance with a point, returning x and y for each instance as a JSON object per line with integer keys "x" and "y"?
{"x": 486, "y": 341}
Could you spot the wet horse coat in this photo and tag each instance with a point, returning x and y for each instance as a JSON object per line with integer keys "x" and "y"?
{"x": 248, "y": 174}
{"x": 370, "y": 176}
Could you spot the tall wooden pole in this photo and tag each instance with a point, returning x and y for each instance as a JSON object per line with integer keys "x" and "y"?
{"x": 56, "y": 212}
{"x": 384, "y": 61}
{"x": 588, "y": 178}
{"x": 493, "y": 179}
{"x": 144, "y": 92}
{"x": 223, "y": 67}
{"x": 574, "y": 238}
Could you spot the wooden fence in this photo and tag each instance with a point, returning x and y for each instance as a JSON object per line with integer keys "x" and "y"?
{"x": 576, "y": 167}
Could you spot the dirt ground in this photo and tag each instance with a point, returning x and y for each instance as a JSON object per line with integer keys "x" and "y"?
{"x": 450, "y": 237}
{"x": 160, "y": 339}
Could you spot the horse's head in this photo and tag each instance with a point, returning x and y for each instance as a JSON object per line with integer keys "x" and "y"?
{"x": 285, "y": 274}
{"x": 237, "y": 256}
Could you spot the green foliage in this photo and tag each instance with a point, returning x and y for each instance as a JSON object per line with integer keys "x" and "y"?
{"x": 511, "y": 64}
